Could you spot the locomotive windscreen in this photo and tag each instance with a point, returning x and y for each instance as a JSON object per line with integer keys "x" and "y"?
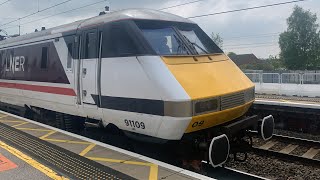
{"x": 176, "y": 38}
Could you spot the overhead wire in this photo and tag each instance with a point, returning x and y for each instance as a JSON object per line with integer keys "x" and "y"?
{"x": 45, "y": 9}
{"x": 68, "y": 11}
{"x": 238, "y": 10}
{"x": 224, "y": 12}
{"x": 245, "y": 9}
{"x": 248, "y": 44}
{"x": 178, "y": 5}
{"x": 246, "y": 47}
{"x": 235, "y": 38}
{"x": 64, "y": 12}
{"x": 5, "y": 2}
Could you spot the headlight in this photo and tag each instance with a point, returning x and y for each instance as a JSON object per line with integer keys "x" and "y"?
{"x": 206, "y": 106}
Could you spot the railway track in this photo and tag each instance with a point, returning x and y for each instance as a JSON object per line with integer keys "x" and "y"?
{"x": 290, "y": 149}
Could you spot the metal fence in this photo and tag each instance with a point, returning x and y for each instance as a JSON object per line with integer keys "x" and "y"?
{"x": 287, "y": 83}
{"x": 290, "y": 78}
{"x": 254, "y": 77}
{"x": 311, "y": 78}
{"x": 271, "y": 78}
{"x": 285, "y": 78}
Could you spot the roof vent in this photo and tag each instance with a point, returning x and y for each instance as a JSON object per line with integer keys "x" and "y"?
{"x": 106, "y": 10}
{"x": 43, "y": 28}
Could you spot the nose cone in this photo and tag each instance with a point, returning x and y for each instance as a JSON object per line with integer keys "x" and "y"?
{"x": 204, "y": 78}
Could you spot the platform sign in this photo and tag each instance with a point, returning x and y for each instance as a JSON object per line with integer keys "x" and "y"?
{"x": 6, "y": 164}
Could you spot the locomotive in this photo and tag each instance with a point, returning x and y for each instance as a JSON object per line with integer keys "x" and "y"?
{"x": 156, "y": 76}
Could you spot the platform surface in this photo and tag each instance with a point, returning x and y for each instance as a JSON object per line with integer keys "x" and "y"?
{"x": 12, "y": 167}
{"x": 21, "y": 164}
{"x": 289, "y": 101}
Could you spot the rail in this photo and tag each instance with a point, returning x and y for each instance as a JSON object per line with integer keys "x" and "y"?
{"x": 292, "y": 143}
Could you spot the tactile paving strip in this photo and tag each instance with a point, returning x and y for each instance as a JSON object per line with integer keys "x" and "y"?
{"x": 66, "y": 162}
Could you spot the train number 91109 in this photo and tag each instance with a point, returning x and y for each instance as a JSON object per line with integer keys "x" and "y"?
{"x": 135, "y": 124}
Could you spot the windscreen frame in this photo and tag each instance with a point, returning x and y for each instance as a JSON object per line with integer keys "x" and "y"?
{"x": 203, "y": 37}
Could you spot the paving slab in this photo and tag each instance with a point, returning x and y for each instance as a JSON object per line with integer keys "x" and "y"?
{"x": 131, "y": 164}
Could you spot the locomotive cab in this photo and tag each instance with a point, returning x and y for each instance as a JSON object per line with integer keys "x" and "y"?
{"x": 219, "y": 92}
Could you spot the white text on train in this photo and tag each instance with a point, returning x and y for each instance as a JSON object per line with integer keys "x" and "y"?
{"x": 15, "y": 63}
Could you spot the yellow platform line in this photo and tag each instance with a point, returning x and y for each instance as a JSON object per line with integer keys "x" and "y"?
{"x": 48, "y": 134}
{"x": 87, "y": 149}
{"x": 4, "y": 116}
{"x": 31, "y": 129}
{"x": 136, "y": 163}
{"x": 153, "y": 167}
{"x": 66, "y": 141}
{"x": 118, "y": 161}
{"x": 11, "y": 121}
{"x": 105, "y": 159}
{"x": 44, "y": 169}
{"x": 20, "y": 124}
{"x": 153, "y": 172}
{"x": 51, "y": 132}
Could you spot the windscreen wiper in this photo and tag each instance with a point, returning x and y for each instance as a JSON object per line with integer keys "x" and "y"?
{"x": 202, "y": 49}
{"x": 183, "y": 41}
{"x": 181, "y": 45}
{"x": 197, "y": 45}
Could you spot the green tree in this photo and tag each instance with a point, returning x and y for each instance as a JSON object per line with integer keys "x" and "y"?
{"x": 263, "y": 65}
{"x": 268, "y": 64}
{"x": 231, "y": 54}
{"x": 275, "y": 62}
{"x": 217, "y": 39}
{"x": 300, "y": 43}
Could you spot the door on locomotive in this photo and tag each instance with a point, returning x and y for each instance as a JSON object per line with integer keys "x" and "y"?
{"x": 88, "y": 71}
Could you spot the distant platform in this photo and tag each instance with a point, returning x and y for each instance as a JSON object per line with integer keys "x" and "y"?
{"x": 288, "y": 101}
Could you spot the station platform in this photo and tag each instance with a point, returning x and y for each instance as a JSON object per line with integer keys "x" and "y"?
{"x": 31, "y": 150}
{"x": 288, "y": 101}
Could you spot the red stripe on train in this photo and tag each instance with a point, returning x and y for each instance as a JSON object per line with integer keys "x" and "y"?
{"x": 44, "y": 89}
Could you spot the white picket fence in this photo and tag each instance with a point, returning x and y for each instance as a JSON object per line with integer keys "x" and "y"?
{"x": 290, "y": 84}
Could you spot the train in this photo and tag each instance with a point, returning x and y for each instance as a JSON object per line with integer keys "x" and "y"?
{"x": 155, "y": 76}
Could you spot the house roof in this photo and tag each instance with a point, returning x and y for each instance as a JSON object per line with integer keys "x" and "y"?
{"x": 242, "y": 59}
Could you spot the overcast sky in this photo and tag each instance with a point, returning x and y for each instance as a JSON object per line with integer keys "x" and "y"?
{"x": 255, "y": 31}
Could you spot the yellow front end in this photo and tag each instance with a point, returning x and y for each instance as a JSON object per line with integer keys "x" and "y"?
{"x": 206, "y": 77}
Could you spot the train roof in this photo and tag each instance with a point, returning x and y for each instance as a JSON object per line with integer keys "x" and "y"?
{"x": 146, "y": 14}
